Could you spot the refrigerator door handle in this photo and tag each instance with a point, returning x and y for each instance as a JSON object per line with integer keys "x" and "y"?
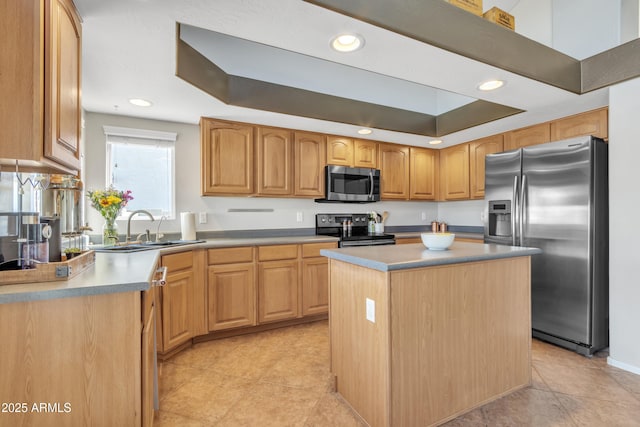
{"x": 516, "y": 213}
{"x": 523, "y": 205}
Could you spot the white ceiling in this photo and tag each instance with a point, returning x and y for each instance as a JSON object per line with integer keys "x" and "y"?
{"x": 129, "y": 51}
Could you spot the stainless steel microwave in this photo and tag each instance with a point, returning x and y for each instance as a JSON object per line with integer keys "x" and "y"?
{"x": 355, "y": 185}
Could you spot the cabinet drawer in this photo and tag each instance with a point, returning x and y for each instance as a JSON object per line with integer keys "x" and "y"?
{"x": 179, "y": 261}
{"x": 230, "y": 255}
{"x": 269, "y": 253}
{"x": 313, "y": 249}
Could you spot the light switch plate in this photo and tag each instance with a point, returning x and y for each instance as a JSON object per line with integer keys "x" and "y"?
{"x": 202, "y": 217}
{"x": 299, "y": 216}
{"x": 371, "y": 310}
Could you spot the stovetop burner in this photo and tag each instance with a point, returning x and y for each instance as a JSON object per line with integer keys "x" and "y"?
{"x": 352, "y": 229}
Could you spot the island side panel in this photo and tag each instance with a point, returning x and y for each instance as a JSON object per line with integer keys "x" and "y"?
{"x": 78, "y": 356}
{"x": 360, "y": 348}
{"x": 460, "y": 337}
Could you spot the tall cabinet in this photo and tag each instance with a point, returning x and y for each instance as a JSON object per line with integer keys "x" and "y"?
{"x": 40, "y": 84}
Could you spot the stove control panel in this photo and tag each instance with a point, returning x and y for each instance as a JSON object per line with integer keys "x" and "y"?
{"x": 336, "y": 220}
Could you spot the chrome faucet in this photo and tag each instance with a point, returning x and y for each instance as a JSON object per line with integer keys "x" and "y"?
{"x": 142, "y": 211}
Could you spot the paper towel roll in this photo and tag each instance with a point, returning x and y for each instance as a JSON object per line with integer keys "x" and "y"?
{"x": 188, "y": 225}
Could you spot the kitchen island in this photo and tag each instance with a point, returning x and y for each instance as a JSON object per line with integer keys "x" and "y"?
{"x": 419, "y": 337}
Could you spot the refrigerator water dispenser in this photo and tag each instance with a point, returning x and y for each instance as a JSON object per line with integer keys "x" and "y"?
{"x": 500, "y": 218}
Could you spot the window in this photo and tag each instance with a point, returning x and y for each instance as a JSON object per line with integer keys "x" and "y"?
{"x": 143, "y": 161}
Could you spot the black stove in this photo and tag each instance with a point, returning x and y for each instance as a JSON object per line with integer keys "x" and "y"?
{"x": 352, "y": 229}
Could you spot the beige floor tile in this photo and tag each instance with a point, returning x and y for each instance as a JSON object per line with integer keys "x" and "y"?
{"x": 171, "y": 376}
{"x": 168, "y": 419}
{"x": 536, "y": 380}
{"x": 527, "y": 408}
{"x": 474, "y": 418}
{"x": 543, "y": 351}
{"x": 332, "y": 411}
{"x": 203, "y": 355}
{"x": 581, "y": 381}
{"x": 294, "y": 370}
{"x": 272, "y": 405}
{"x": 588, "y": 412}
{"x": 249, "y": 361}
{"x": 628, "y": 380}
{"x": 207, "y": 397}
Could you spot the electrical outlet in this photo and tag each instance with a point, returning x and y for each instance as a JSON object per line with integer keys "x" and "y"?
{"x": 371, "y": 310}
{"x": 299, "y": 216}
{"x": 202, "y": 217}
{"x": 423, "y": 215}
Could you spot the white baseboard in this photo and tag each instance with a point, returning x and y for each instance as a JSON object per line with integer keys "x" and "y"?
{"x": 622, "y": 365}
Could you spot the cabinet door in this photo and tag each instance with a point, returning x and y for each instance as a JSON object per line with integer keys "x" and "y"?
{"x": 62, "y": 83}
{"x": 394, "y": 171}
{"x": 365, "y": 154}
{"x": 339, "y": 151}
{"x": 532, "y": 135}
{"x": 424, "y": 172}
{"x": 315, "y": 286}
{"x": 227, "y": 157}
{"x": 176, "y": 309}
{"x": 478, "y": 150}
{"x": 454, "y": 172}
{"x": 277, "y": 290}
{"x": 231, "y": 296}
{"x": 148, "y": 366}
{"x": 275, "y": 161}
{"x": 591, "y": 123}
{"x": 310, "y": 160}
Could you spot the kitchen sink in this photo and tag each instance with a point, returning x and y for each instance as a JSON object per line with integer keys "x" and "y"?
{"x": 137, "y": 247}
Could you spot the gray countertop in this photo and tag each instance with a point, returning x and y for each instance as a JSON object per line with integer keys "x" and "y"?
{"x": 127, "y": 272}
{"x": 400, "y": 257}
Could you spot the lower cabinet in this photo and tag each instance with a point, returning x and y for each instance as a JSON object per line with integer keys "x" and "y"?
{"x": 277, "y": 283}
{"x": 315, "y": 279}
{"x": 148, "y": 356}
{"x": 176, "y": 301}
{"x": 231, "y": 288}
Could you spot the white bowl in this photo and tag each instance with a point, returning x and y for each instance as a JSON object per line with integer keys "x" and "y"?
{"x": 437, "y": 241}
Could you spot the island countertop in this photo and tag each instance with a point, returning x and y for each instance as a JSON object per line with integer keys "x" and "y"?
{"x": 401, "y": 257}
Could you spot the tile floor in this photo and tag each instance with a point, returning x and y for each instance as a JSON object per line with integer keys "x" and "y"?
{"x": 281, "y": 378}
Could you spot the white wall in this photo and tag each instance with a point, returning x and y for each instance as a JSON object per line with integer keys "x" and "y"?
{"x": 217, "y": 208}
{"x": 624, "y": 233}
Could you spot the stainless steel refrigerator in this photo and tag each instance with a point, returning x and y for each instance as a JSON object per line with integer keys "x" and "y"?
{"x": 554, "y": 197}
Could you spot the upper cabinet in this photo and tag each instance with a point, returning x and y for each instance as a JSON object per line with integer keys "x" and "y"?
{"x": 394, "y": 171}
{"x": 454, "y": 172}
{"x": 478, "y": 150}
{"x": 40, "y": 64}
{"x": 275, "y": 161}
{"x": 355, "y": 153}
{"x": 532, "y": 135}
{"x": 227, "y": 157}
{"x": 591, "y": 123}
{"x": 423, "y": 169}
{"x": 309, "y": 160}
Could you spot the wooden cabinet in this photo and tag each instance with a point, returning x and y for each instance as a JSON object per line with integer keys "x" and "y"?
{"x": 478, "y": 150}
{"x": 231, "y": 297}
{"x": 532, "y": 135}
{"x": 177, "y": 301}
{"x": 40, "y": 85}
{"x": 315, "y": 279}
{"x": 148, "y": 356}
{"x": 365, "y": 154}
{"x": 227, "y": 155}
{"x": 339, "y": 150}
{"x": 454, "y": 172}
{"x": 309, "y": 162}
{"x": 354, "y": 153}
{"x": 423, "y": 171}
{"x": 394, "y": 171}
{"x": 275, "y": 161}
{"x": 590, "y": 123}
{"x": 277, "y": 283}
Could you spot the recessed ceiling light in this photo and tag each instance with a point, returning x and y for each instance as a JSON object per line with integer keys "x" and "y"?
{"x": 347, "y": 42}
{"x": 140, "y": 102}
{"x": 435, "y": 141}
{"x": 491, "y": 85}
{"x": 365, "y": 131}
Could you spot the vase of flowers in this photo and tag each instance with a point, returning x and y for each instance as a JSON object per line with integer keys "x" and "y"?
{"x": 109, "y": 203}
